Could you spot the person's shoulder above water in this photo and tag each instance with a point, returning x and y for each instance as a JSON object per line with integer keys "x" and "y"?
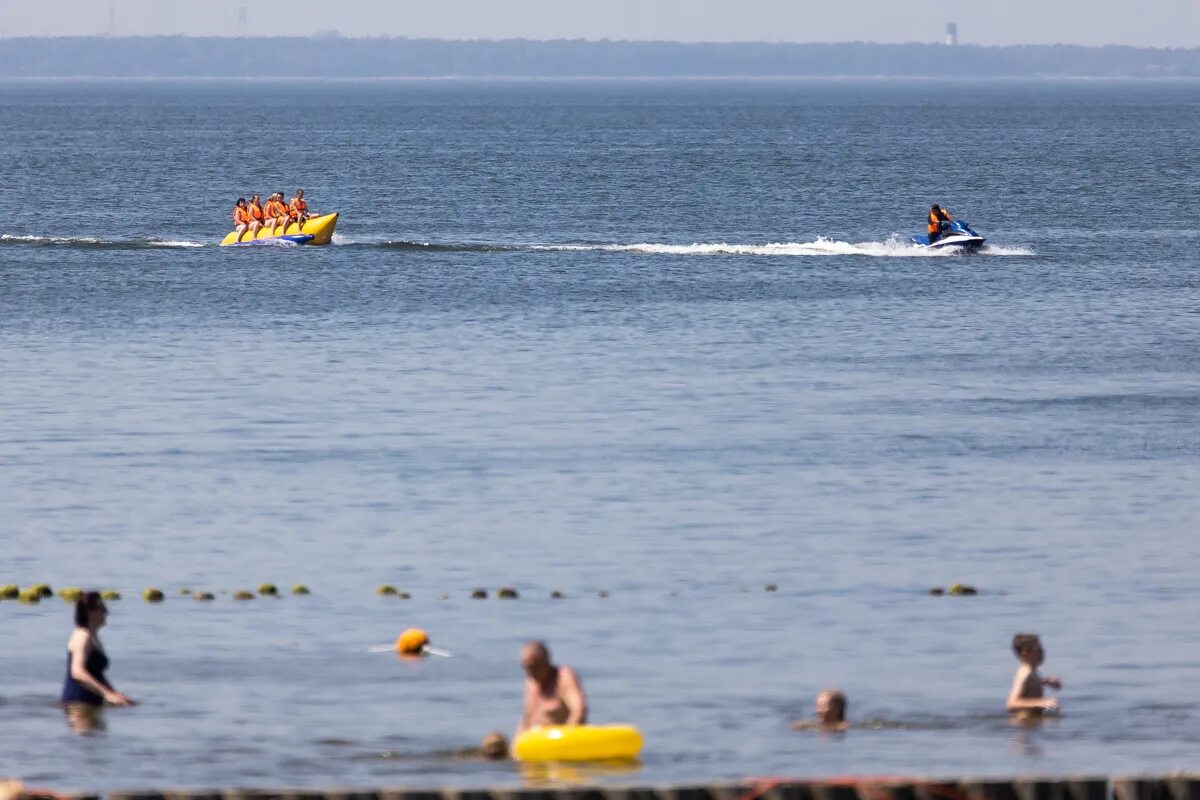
{"x": 494, "y": 747}
{"x": 1026, "y": 696}
{"x": 830, "y": 713}
{"x": 553, "y": 694}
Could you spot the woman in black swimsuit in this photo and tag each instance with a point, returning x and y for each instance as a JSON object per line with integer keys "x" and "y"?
{"x": 85, "y": 687}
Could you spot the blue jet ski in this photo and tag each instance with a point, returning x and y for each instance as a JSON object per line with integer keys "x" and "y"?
{"x": 954, "y": 234}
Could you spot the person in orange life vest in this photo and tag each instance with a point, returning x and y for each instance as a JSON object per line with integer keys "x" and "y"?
{"x": 937, "y": 217}
{"x": 255, "y": 210}
{"x": 282, "y": 213}
{"x": 276, "y": 212}
{"x": 298, "y": 208}
{"x": 241, "y": 218}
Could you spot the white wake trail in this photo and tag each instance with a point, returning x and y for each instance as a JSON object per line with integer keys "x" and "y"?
{"x": 891, "y": 248}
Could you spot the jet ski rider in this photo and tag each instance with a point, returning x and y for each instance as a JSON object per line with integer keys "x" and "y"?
{"x": 938, "y": 217}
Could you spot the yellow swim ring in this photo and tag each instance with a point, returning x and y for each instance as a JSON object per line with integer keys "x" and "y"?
{"x": 579, "y": 743}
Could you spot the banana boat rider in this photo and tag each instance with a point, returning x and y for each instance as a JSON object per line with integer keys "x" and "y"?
{"x": 257, "y": 216}
{"x": 298, "y": 208}
{"x": 276, "y": 211}
{"x": 241, "y": 218}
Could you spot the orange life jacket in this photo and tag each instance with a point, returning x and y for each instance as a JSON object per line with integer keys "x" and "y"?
{"x": 256, "y": 212}
{"x": 280, "y": 209}
{"x": 298, "y": 206}
{"x": 240, "y": 216}
{"x": 936, "y": 219}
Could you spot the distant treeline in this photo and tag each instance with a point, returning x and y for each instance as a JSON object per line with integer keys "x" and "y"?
{"x": 334, "y": 57}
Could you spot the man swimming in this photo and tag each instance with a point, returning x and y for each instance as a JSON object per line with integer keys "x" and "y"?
{"x": 831, "y": 713}
{"x": 553, "y": 694}
{"x": 1026, "y": 696}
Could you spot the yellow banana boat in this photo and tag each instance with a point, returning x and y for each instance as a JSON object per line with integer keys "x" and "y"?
{"x": 579, "y": 743}
{"x": 318, "y": 230}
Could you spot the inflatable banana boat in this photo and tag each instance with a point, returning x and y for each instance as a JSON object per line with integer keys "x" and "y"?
{"x": 579, "y": 743}
{"x": 318, "y": 230}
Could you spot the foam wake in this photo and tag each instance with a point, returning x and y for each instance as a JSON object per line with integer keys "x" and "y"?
{"x": 93, "y": 243}
{"x": 891, "y": 248}
{"x": 894, "y": 247}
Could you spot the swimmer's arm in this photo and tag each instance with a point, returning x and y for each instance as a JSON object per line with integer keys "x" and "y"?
{"x": 1052, "y": 682}
{"x": 1016, "y": 696}
{"x": 526, "y": 712}
{"x": 574, "y": 698}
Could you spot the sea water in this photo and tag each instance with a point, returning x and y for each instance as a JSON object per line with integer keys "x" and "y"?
{"x": 652, "y": 345}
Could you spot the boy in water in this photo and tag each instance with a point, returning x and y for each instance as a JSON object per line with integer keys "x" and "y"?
{"x": 831, "y": 713}
{"x": 1026, "y": 697}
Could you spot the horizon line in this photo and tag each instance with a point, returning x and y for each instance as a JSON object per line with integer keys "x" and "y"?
{"x": 334, "y": 36}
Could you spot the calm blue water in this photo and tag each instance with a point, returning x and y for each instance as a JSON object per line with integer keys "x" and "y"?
{"x": 660, "y": 339}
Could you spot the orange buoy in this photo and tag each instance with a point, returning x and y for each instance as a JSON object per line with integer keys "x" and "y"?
{"x": 412, "y": 642}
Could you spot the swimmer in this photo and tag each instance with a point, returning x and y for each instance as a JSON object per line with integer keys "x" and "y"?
{"x": 553, "y": 694}
{"x": 831, "y": 713}
{"x": 1026, "y": 696}
{"x": 85, "y": 684}
{"x": 494, "y": 747}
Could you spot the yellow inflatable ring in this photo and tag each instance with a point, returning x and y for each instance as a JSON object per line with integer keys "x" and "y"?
{"x": 579, "y": 743}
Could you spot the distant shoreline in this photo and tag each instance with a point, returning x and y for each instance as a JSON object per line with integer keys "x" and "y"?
{"x": 501, "y": 79}
{"x": 211, "y": 58}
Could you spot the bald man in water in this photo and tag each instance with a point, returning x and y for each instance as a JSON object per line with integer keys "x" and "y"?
{"x": 553, "y": 694}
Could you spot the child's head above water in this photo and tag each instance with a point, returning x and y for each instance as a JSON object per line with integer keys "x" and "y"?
{"x": 1028, "y": 648}
{"x": 831, "y": 707}
{"x": 494, "y": 746}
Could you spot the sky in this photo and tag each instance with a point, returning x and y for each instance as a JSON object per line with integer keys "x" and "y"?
{"x": 1145, "y": 23}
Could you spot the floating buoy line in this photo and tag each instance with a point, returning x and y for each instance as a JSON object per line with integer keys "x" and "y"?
{"x": 35, "y": 593}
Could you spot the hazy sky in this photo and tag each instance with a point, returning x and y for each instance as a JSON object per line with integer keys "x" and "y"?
{"x": 1160, "y": 23}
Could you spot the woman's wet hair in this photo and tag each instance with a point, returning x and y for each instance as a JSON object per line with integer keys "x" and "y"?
{"x": 84, "y": 606}
{"x": 240, "y": 201}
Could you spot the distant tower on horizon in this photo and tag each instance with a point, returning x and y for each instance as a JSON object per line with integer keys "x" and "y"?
{"x": 951, "y": 33}
{"x": 112, "y": 19}
{"x": 242, "y": 20}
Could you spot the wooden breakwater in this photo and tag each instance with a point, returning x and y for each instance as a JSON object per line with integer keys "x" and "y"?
{"x": 1171, "y": 787}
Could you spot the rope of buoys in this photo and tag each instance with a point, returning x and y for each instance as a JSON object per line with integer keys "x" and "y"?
{"x": 36, "y": 592}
